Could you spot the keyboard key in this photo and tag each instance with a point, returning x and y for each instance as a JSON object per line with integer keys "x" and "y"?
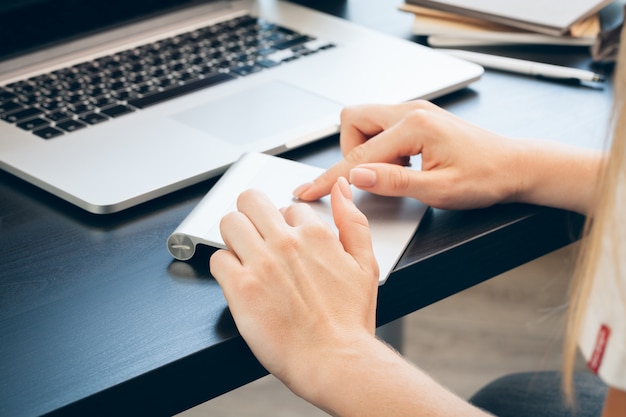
{"x": 9, "y": 106}
{"x": 94, "y": 118}
{"x": 287, "y": 31}
{"x": 32, "y": 124}
{"x": 82, "y": 108}
{"x": 57, "y": 116}
{"x": 266, "y": 51}
{"x": 21, "y": 87}
{"x": 147, "y": 89}
{"x": 76, "y": 98}
{"x": 71, "y": 125}
{"x": 292, "y": 42}
{"x": 246, "y": 69}
{"x": 96, "y": 91}
{"x": 167, "y": 82}
{"x": 161, "y": 96}
{"x": 116, "y": 111}
{"x": 52, "y": 105}
{"x": 17, "y": 117}
{"x": 119, "y": 85}
{"x": 6, "y": 96}
{"x": 28, "y": 100}
{"x": 267, "y": 63}
{"x": 317, "y": 44}
{"x": 103, "y": 101}
{"x": 48, "y": 132}
{"x": 280, "y": 56}
{"x": 189, "y": 76}
{"x": 126, "y": 95}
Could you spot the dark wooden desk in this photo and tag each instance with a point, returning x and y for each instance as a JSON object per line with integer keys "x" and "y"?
{"x": 96, "y": 318}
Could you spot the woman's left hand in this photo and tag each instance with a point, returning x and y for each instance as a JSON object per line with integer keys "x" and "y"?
{"x": 296, "y": 291}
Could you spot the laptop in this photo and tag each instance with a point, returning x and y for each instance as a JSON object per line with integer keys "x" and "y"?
{"x": 109, "y": 104}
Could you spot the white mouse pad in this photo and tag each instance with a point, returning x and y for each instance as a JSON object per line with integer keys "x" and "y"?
{"x": 393, "y": 220}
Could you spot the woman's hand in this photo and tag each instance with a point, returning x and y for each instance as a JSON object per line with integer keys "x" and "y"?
{"x": 297, "y": 292}
{"x": 304, "y": 300}
{"x": 463, "y": 166}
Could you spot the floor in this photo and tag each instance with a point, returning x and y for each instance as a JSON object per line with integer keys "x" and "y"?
{"x": 510, "y": 323}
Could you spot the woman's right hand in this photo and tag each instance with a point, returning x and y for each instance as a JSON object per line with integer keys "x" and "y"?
{"x": 463, "y": 166}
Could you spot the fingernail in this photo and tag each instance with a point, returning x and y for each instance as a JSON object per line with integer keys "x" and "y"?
{"x": 363, "y": 177}
{"x": 301, "y": 189}
{"x": 344, "y": 187}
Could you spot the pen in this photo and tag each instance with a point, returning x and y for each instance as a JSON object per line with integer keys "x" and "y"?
{"x": 521, "y": 66}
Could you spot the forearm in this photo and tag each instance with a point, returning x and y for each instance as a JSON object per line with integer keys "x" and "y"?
{"x": 369, "y": 379}
{"x": 557, "y": 175}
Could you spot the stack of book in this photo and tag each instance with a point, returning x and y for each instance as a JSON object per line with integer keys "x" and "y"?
{"x": 458, "y": 23}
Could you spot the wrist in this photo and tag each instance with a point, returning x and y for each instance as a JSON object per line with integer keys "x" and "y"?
{"x": 515, "y": 172}
{"x": 555, "y": 175}
{"x": 362, "y": 376}
{"x": 327, "y": 375}
{"x": 352, "y": 375}
{"x": 522, "y": 172}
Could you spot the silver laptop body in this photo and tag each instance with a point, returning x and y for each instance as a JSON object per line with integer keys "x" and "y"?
{"x": 151, "y": 151}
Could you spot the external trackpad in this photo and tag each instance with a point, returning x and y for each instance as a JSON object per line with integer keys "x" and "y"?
{"x": 258, "y": 112}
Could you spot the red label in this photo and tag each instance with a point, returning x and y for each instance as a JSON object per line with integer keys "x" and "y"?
{"x": 598, "y": 352}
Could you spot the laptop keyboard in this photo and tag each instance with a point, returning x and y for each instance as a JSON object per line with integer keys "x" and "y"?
{"x": 69, "y": 99}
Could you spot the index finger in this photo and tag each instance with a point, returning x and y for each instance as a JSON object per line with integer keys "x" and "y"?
{"x": 394, "y": 145}
{"x": 358, "y": 125}
{"x": 263, "y": 214}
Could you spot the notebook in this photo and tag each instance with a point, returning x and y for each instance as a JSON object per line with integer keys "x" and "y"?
{"x": 445, "y": 29}
{"x": 392, "y": 220}
{"x": 109, "y": 104}
{"x": 554, "y": 17}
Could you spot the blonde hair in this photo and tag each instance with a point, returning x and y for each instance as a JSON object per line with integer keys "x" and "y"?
{"x": 602, "y": 221}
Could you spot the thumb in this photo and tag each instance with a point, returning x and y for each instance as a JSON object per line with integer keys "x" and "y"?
{"x": 353, "y": 227}
{"x": 430, "y": 187}
{"x": 393, "y": 180}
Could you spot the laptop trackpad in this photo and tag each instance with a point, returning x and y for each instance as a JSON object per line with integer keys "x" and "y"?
{"x": 258, "y": 112}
